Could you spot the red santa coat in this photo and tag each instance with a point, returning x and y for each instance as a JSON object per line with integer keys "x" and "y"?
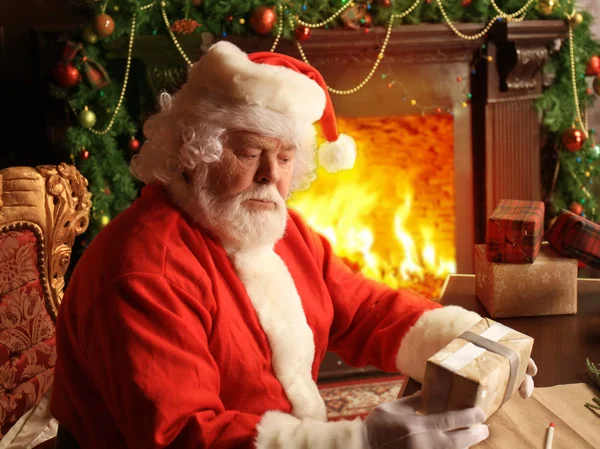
{"x": 164, "y": 340}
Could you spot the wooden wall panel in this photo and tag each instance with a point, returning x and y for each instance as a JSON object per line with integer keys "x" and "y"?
{"x": 512, "y": 152}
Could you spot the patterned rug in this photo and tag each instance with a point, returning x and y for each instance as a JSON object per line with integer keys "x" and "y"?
{"x": 349, "y": 399}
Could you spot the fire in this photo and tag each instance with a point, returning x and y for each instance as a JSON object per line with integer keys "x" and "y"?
{"x": 369, "y": 216}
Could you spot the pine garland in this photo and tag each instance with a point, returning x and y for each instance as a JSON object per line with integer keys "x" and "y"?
{"x": 106, "y": 168}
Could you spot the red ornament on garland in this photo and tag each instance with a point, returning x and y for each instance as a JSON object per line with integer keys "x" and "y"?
{"x": 572, "y": 139}
{"x": 465, "y": 3}
{"x": 593, "y": 67}
{"x": 133, "y": 144}
{"x": 302, "y": 33}
{"x": 66, "y": 74}
{"x": 84, "y": 154}
{"x": 103, "y": 25}
{"x": 576, "y": 208}
{"x": 385, "y": 3}
{"x": 263, "y": 20}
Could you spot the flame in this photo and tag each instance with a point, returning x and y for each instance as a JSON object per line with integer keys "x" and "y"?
{"x": 369, "y": 226}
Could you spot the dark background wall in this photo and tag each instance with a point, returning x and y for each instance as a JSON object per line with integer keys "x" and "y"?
{"x": 30, "y": 31}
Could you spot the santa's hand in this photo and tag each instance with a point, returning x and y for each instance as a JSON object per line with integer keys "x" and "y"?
{"x": 526, "y": 388}
{"x": 395, "y": 425}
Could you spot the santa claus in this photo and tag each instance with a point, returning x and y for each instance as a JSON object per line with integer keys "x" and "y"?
{"x": 199, "y": 316}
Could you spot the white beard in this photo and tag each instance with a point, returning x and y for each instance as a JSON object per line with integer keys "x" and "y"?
{"x": 237, "y": 227}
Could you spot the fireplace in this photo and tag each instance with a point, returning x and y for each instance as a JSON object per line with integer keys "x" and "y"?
{"x": 391, "y": 217}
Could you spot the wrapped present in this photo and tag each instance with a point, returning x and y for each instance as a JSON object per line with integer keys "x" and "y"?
{"x": 546, "y": 287}
{"x": 514, "y": 231}
{"x": 574, "y": 236}
{"x": 483, "y": 368}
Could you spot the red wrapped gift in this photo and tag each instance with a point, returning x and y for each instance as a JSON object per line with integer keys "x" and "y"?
{"x": 574, "y": 236}
{"x": 514, "y": 231}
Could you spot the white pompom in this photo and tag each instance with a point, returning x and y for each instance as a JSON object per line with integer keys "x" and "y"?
{"x": 338, "y": 155}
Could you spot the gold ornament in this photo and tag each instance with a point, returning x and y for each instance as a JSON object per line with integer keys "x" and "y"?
{"x": 88, "y": 35}
{"x": 577, "y": 19}
{"x": 547, "y": 7}
{"x": 87, "y": 119}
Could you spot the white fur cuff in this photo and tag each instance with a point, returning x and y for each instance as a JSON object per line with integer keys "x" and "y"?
{"x": 432, "y": 331}
{"x": 280, "y": 430}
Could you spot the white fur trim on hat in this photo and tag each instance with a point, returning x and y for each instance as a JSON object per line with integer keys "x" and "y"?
{"x": 338, "y": 155}
{"x": 279, "y": 430}
{"x": 432, "y": 331}
{"x": 227, "y": 70}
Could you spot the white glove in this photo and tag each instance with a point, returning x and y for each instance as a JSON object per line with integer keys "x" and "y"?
{"x": 395, "y": 425}
{"x": 526, "y": 388}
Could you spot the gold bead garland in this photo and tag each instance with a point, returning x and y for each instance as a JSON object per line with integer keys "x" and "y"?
{"x": 326, "y": 21}
{"x": 173, "y": 38}
{"x": 514, "y": 15}
{"x": 125, "y": 81}
{"x": 574, "y": 76}
{"x": 279, "y": 27}
{"x": 378, "y": 60}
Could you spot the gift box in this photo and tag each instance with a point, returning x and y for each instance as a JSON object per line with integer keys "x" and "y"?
{"x": 548, "y": 286}
{"x": 574, "y": 236}
{"x": 483, "y": 368}
{"x": 514, "y": 231}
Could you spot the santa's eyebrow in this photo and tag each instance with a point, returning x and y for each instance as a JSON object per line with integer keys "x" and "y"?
{"x": 254, "y": 142}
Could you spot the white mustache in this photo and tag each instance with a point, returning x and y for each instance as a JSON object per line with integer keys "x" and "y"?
{"x": 261, "y": 193}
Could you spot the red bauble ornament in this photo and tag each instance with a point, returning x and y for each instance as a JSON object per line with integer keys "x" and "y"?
{"x": 66, "y": 75}
{"x": 572, "y": 139}
{"x": 593, "y": 67}
{"x": 84, "y": 154}
{"x": 465, "y": 3}
{"x": 103, "y": 25}
{"x": 263, "y": 20}
{"x": 134, "y": 144}
{"x": 576, "y": 208}
{"x": 302, "y": 33}
{"x": 385, "y": 3}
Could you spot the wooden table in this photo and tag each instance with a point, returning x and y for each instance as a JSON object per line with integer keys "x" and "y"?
{"x": 562, "y": 342}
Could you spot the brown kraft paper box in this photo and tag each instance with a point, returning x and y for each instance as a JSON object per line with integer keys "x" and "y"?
{"x": 464, "y": 374}
{"x": 548, "y": 286}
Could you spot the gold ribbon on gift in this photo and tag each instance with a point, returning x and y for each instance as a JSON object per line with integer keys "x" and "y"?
{"x": 478, "y": 344}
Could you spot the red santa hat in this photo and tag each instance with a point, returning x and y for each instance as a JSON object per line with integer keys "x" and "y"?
{"x": 280, "y": 83}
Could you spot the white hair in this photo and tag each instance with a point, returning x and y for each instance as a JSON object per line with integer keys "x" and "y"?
{"x": 189, "y": 135}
